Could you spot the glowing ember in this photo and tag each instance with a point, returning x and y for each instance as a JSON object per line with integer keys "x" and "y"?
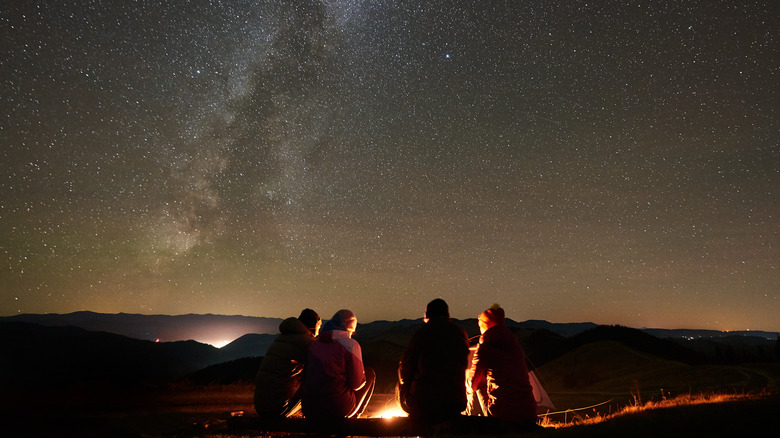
{"x": 392, "y": 413}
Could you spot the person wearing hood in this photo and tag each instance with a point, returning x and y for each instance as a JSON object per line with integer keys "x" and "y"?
{"x": 499, "y": 371}
{"x": 337, "y": 385}
{"x": 278, "y": 382}
{"x": 432, "y": 372}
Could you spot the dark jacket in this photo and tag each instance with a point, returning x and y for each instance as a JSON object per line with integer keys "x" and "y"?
{"x": 499, "y": 366}
{"x": 432, "y": 373}
{"x": 280, "y": 371}
{"x": 333, "y": 374}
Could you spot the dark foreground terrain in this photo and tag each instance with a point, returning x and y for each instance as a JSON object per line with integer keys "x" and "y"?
{"x": 201, "y": 415}
{"x": 71, "y": 382}
{"x": 748, "y": 418}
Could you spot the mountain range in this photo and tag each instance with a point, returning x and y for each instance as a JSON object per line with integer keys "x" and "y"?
{"x": 211, "y": 329}
{"x": 220, "y": 330}
{"x": 82, "y": 347}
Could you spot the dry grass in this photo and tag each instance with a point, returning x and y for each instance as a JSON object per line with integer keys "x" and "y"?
{"x": 575, "y": 418}
{"x": 178, "y": 411}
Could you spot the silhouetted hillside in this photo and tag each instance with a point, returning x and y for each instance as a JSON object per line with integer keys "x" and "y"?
{"x": 235, "y": 371}
{"x": 385, "y": 329}
{"x": 690, "y": 334}
{"x": 166, "y": 328}
{"x": 540, "y": 345}
{"x": 637, "y": 340}
{"x": 251, "y": 345}
{"x": 53, "y": 357}
{"x": 563, "y": 329}
{"x": 733, "y": 349}
{"x": 608, "y": 365}
{"x": 606, "y": 370}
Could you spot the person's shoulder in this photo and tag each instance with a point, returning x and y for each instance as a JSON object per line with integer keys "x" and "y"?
{"x": 293, "y": 326}
{"x": 448, "y": 327}
{"x": 349, "y": 341}
{"x": 455, "y": 327}
{"x": 351, "y": 345}
{"x": 461, "y": 331}
{"x": 498, "y": 334}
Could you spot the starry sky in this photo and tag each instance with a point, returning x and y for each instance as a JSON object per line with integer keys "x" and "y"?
{"x": 615, "y": 162}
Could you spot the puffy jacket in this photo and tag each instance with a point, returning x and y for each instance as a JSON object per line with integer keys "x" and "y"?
{"x": 499, "y": 365}
{"x": 333, "y": 374}
{"x": 432, "y": 372}
{"x": 280, "y": 373}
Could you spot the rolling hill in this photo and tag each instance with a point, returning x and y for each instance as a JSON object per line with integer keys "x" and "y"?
{"x": 600, "y": 358}
{"x": 70, "y": 372}
{"x": 210, "y": 329}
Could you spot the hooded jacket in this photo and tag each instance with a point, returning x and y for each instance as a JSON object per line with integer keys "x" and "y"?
{"x": 432, "y": 372}
{"x": 333, "y": 374}
{"x": 280, "y": 373}
{"x": 499, "y": 366}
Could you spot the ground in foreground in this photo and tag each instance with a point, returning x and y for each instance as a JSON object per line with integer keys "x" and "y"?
{"x": 745, "y": 418}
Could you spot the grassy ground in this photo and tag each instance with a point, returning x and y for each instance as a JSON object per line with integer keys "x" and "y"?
{"x": 186, "y": 410}
{"x": 205, "y": 412}
{"x": 740, "y": 418}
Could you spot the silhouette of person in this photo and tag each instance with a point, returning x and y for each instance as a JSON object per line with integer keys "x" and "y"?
{"x": 432, "y": 372}
{"x": 499, "y": 371}
{"x": 337, "y": 385}
{"x": 278, "y": 381}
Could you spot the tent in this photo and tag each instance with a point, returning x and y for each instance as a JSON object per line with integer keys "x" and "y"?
{"x": 543, "y": 402}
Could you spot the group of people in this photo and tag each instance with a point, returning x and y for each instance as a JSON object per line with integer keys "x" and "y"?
{"x": 320, "y": 371}
{"x": 431, "y": 374}
{"x": 322, "y": 359}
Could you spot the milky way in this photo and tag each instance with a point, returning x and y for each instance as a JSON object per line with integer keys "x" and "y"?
{"x": 614, "y": 162}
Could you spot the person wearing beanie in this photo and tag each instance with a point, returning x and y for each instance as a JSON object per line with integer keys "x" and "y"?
{"x": 311, "y": 320}
{"x": 278, "y": 381}
{"x": 499, "y": 374}
{"x": 491, "y": 317}
{"x": 431, "y": 386}
{"x": 337, "y": 385}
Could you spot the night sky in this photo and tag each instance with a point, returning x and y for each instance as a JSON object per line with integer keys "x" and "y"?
{"x": 607, "y": 161}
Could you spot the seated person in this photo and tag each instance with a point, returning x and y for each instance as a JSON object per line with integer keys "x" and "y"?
{"x": 278, "y": 382}
{"x": 336, "y": 385}
{"x": 500, "y": 374}
{"x": 432, "y": 372}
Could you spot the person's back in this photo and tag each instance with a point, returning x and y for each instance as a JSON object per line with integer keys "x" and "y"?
{"x": 501, "y": 373}
{"x": 279, "y": 378}
{"x": 336, "y": 384}
{"x": 433, "y": 369}
{"x": 506, "y": 376}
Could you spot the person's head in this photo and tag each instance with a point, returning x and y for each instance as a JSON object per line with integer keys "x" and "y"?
{"x": 491, "y": 317}
{"x": 311, "y": 320}
{"x": 437, "y": 309}
{"x": 345, "y": 320}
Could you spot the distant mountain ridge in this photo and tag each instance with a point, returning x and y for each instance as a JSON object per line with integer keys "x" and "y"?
{"x": 206, "y": 328}
{"x": 697, "y": 334}
{"x": 36, "y": 355}
{"x": 59, "y": 356}
{"x": 41, "y": 366}
{"x": 220, "y": 330}
{"x": 563, "y": 329}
